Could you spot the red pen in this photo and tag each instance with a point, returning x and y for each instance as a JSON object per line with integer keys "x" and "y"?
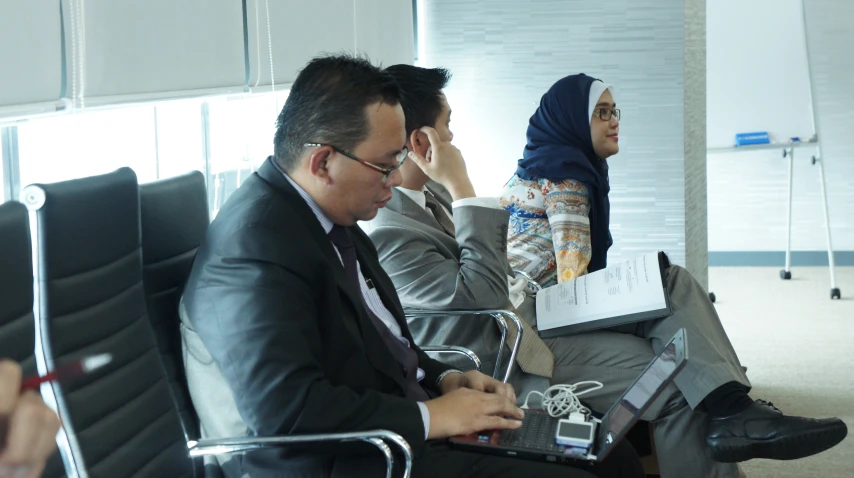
{"x": 67, "y": 370}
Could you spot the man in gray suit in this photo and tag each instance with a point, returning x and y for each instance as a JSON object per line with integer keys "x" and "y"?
{"x": 444, "y": 248}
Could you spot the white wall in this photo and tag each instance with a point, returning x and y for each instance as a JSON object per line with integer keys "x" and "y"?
{"x": 757, "y": 70}
{"x": 747, "y": 191}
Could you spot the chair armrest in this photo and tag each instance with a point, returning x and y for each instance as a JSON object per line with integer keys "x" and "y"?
{"x": 531, "y": 282}
{"x": 378, "y": 438}
{"x": 454, "y": 349}
{"x": 498, "y": 315}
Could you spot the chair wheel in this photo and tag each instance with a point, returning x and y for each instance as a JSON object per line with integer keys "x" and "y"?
{"x": 785, "y": 275}
{"x": 835, "y": 294}
{"x": 712, "y": 297}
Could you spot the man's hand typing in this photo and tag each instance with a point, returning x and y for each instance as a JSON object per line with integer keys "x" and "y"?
{"x": 476, "y": 380}
{"x": 465, "y": 410}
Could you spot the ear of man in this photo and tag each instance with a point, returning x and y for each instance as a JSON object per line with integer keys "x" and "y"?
{"x": 318, "y": 164}
{"x": 419, "y": 143}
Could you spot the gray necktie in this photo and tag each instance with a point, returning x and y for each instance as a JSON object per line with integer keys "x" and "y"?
{"x": 534, "y": 355}
{"x": 439, "y": 213}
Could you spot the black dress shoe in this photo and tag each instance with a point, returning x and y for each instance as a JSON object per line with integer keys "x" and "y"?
{"x": 762, "y": 431}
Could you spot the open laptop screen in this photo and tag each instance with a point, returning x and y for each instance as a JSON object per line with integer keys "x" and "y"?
{"x": 626, "y": 412}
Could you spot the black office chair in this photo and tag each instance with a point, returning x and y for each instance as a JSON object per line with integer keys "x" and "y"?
{"x": 17, "y": 332}
{"x": 121, "y": 419}
{"x": 224, "y": 183}
{"x": 17, "y": 326}
{"x": 174, "y": 214}
{"x": 173, "y": 219}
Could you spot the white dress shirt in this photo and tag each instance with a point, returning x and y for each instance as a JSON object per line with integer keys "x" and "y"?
{"x": 372, "y": 298}
{"x": 516, "y": 285}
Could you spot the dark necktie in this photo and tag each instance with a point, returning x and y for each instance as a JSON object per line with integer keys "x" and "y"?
{"x": 405, "y": 356}
{"x": 439, "y": 213}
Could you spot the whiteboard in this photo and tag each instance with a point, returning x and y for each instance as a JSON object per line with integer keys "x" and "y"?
{"x": 757, "y": 75}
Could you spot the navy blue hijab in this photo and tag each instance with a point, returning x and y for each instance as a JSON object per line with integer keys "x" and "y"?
{"x": 560, "y": 147}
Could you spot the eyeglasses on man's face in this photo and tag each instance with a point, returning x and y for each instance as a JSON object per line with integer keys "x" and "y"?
{"x": 386, "y": 172}
{"x": 605, "y": 114}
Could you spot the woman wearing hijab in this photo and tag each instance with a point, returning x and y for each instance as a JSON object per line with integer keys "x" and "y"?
{"x": 559, "y": 230}
{"x": 558, "y": 199}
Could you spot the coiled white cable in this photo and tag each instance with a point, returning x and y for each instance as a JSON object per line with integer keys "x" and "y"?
{"x": 561, "y": 399}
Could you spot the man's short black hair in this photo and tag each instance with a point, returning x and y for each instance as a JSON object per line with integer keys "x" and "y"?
{"x": 420, "y": 90}
{"x": 327, "y": 104}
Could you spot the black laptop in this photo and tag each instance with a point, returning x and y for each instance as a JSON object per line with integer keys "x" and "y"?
{"x": 536, "y": 439}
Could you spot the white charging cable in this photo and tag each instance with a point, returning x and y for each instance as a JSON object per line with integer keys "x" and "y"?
{"x": 560, "y": 400}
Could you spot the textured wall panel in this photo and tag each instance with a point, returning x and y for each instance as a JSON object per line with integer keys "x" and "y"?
{"x": 696, "y": 217}
{"x": 504, "y": 55}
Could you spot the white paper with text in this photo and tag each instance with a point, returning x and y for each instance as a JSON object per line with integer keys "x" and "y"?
{"x": 630, "y": 287}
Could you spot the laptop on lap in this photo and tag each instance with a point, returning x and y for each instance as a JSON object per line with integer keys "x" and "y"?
{"x": 536, "y": 439}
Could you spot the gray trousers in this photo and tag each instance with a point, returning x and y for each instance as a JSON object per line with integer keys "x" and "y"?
{"x": 616, "y": 357}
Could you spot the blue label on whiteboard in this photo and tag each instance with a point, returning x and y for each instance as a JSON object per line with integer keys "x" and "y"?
{"x": 759, "y": 137}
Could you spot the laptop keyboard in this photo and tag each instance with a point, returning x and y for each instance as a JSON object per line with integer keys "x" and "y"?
{"x": 537, "y": 431}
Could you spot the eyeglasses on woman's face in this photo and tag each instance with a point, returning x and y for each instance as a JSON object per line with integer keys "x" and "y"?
{"x": 605, "y": 114}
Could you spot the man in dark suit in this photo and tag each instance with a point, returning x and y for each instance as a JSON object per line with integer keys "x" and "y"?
{"x": 290, "y": 324}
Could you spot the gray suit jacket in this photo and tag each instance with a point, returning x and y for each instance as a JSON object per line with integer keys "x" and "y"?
{"x": 431, "y": 269}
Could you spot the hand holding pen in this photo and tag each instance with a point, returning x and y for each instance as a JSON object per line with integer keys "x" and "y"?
{"x": 27, "y": 426}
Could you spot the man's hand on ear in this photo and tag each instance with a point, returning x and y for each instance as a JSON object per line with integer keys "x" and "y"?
{"x": 444, "y": 164}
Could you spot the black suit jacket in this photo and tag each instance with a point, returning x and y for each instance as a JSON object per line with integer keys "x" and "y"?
{"x": 269, "y": 299}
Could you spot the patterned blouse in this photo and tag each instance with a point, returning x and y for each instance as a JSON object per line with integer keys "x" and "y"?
{"x": 549, "y": 233}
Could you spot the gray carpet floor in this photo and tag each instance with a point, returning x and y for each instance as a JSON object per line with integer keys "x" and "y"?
{"x": 798, "y": 346}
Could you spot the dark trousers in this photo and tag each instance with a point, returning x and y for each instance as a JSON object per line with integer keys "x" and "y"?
{"x": 440, "y": 460}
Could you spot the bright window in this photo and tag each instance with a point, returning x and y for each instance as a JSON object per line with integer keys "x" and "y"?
{"x": 157, "y": 141}
{"x": 180, "y": 138}
{"x": 2, "y": 186}
{"x": 241, "y": 138}
{"x": 89, "y": 143}
{"x": 2, "y": 167}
